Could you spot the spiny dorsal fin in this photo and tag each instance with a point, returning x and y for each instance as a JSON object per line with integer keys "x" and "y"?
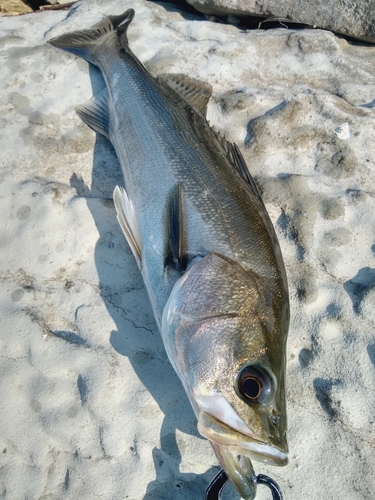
{"x": 175, "y": 226}
{"x": 223, "y": 143}
{"x": 195, "y": 92}
{"x": 235, "y": 157}
{"x": 241, "y": 166}
{"x": 128, "y": 222}
{"x": 81, "y": 43}
{"x": 95, "y": 113}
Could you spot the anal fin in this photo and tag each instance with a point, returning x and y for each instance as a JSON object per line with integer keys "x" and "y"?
{"x": 95, "y": 113}
{"x": 127, "y": 220}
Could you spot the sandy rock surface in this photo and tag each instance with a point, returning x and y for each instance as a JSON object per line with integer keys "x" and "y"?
{"x": 14, "y": 7}
{"x": 355, "y": 19}
{"x": 90, "y": 407}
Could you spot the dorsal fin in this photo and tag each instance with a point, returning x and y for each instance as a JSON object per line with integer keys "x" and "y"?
{"x": 176, "y": 256}
{"x": 195, "y": 92}
{"x": 234, "y": 155}
{"x": 222, "y": 141}
{"x": 240, "y": 165}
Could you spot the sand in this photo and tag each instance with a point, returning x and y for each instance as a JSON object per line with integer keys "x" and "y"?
{"x": 90, "y": 406}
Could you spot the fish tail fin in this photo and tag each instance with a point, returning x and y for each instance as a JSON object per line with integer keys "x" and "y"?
{"x": 82, "y": 43}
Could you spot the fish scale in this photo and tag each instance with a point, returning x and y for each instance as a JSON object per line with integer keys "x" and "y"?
{"x": 205, "y": 246}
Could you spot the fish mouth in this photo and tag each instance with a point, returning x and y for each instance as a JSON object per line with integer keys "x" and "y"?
{"x": 220, "y": 424}
{"x": 263, "y": 453}
{"x": 260, "y": 452}
{"x": 255, "y": 450}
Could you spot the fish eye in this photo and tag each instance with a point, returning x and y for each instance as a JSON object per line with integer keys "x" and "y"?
{"x": 254, "y": 384}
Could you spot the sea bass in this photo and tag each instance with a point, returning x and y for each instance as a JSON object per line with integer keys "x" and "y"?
{"x": 206, "y": 248}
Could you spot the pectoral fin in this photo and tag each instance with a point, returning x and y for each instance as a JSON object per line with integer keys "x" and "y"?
{"x": 128, "y": 222}
{"x": 176, "y": 256}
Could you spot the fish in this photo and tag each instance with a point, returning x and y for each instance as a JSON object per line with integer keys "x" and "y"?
{"x": 206, "y": 248}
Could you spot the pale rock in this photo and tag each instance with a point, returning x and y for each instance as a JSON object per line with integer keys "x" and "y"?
{"x": 90, "y": 406}
{"x": 354, "y": 19}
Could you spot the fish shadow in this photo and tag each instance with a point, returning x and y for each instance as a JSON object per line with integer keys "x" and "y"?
{"x": 137, "y": 337}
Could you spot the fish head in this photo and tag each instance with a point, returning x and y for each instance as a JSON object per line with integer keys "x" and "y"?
{"x": 225, "y": 329}
{"x": 244, "y": 418}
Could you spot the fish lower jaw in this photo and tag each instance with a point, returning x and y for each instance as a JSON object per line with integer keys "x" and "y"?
{"x": 260, "y": 452}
